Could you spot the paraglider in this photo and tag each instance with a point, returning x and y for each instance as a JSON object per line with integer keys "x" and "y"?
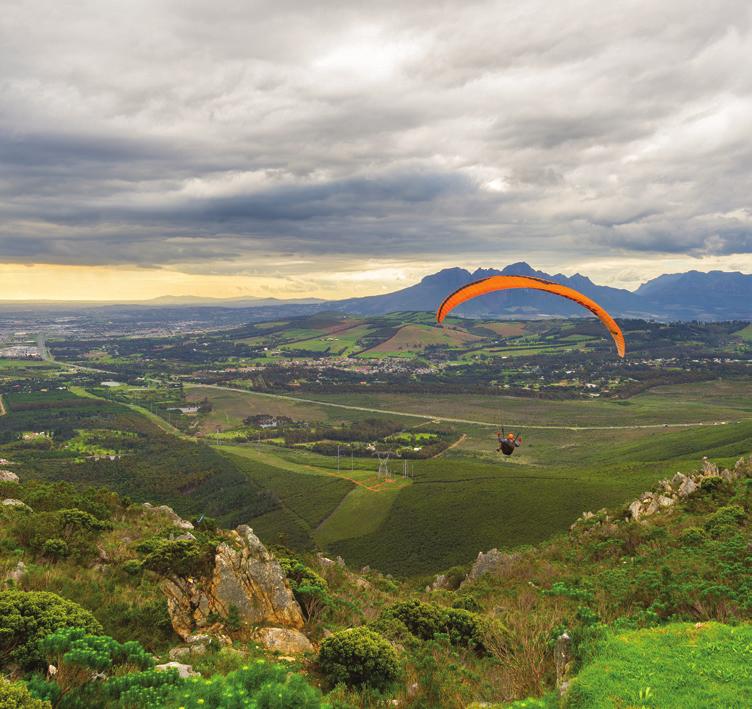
{"x": 497, "y": 283}
{"x": 509, "y": 442}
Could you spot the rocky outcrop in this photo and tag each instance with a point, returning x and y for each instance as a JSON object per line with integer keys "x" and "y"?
{"x": 8, "y": 476}
{"x": 247, "y": 584}
{"x": 168, "y": 512}
{"x": 491, "y": 562}
{"x": 669, "y": 492}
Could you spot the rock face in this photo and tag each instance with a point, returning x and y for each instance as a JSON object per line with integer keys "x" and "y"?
{"x": 247, "y": 581}
{"x": 8, "y": 476}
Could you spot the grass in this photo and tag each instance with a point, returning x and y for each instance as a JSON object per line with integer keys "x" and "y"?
{"x": 673, "y": 667}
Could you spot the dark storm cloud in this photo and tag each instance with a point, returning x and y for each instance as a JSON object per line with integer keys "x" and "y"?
{"x": 197, "y": 133}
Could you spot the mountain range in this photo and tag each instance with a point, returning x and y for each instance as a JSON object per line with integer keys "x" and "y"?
{"x": 715, "y": 295}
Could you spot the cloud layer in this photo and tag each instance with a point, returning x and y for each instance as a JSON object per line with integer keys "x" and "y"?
{"x": 294, "y": 138}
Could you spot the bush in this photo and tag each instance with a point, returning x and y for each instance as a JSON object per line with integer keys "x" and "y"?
{"x": 310, "y": 589}
{"x": 15, "y": 695}
{"x": 261, "y": 685}
{"x": 724, "y": 518}
{"x": 28, "y": 616}
{"x": 79, "y": 655}
{"x": 181, "y": 557}
{"x": 424, "y": 620}
{"x": 55, "y": 549}
{"x": 693, "y": 536}
{"x": 359, "y": 657}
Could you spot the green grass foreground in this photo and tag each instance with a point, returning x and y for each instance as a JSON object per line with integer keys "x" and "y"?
{"x": 673, "y": 667}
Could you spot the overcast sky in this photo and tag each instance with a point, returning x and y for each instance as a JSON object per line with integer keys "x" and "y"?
{"x": 331, "y": 149}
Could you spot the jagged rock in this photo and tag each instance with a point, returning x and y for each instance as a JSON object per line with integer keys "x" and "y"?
{"x": 325, "y": 562}
{"x": 741, "y": 463}
{"x": 730, "y": 475}
{"x": 563, "y": 661}
{"x": 8, "y": 476}
{"x": 709, "y": 468}
{"x": 17, "y": 574}
{"x": 184, "y": 671}
{"x": 688, "y": 487}
{"x": 245, "y": 576}
{"x": 440, "y": 581}
{"x": 635, "y": 510}
{"x": 340, "y": 561}
{"x": 365, "y": 570}
{"x": 187, "y": 537}
{"x": 285, "y": 641}
{"x": 664, "y": 501}
{"x": 651, "y": 507}
{"x": 174, "y": 517}
{"x": 677, "y": 480}
{"x": 490, "y": 562}
{"x": 18, "y": 504}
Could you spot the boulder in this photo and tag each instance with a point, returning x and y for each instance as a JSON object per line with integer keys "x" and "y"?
{"x": 178, "y": 653}
{"x": 664, "y": 501}
{"x": 491, "y": 562}
{"x": 688, "y": 487}
{"x": 709, "y": 468}
{"x": 285, "y": 641}
{"x": 8, "y": 476}
{"x": 246, "y": 578}
{"x": 184, "y": 671}
{"x": 173, "y": 516}
{"x": 18, "y": 504}
{"x": 17, "y": 574}
{"x": 635, "y": 510}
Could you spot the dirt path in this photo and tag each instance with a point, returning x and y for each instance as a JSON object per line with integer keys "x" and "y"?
{"x": 458, "y": 442}
{"x": 446, "y": 419}
{"x": 2, "y": 406}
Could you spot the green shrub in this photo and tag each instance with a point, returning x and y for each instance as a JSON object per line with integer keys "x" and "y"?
{"x": 468, "y": 603}
{"x": 28, "y": 616}
{"x": 15, "y": 695}
{"x": 424, "y": 620}
{"x": 693, "y": 536}
{"x": 137, "y": 690}
{"x": 181, "y": 557}
{"x": 55, "y": 548}
{"x": 711, "y": 483}
{"x": 724, "y": 518}
{"x": 79, "y": 655}
{"x": 133, "y": 567}
{"x": 358, "y": 657}
{"x": 260, "y": 684}
{"x": 310, "y": 589}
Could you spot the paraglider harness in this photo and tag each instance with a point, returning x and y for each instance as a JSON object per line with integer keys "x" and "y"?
{"x": 507, "y": 442}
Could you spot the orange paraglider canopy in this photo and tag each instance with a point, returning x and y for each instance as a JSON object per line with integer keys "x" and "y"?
{"x": 496, "y": 283}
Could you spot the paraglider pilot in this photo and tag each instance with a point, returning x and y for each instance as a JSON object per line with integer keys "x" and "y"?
{"x": 508, "y": 443}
